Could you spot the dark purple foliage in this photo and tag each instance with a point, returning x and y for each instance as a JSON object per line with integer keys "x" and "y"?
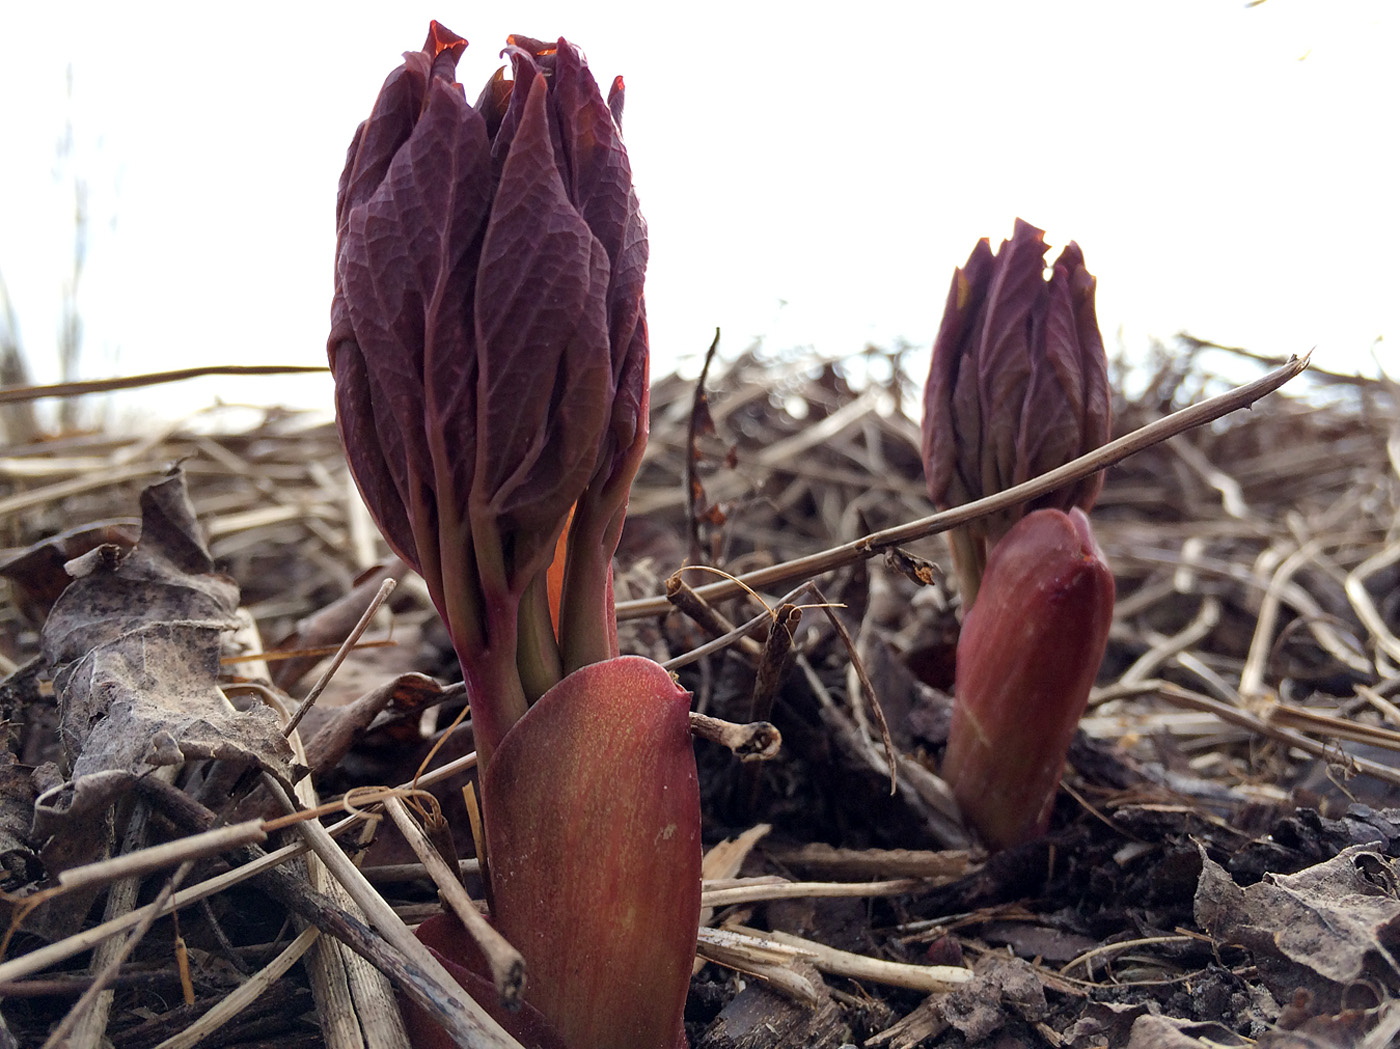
{"x": 488, "y": 334}
{"x": 489, "y": 347}
{"x": 1018, "y": 384}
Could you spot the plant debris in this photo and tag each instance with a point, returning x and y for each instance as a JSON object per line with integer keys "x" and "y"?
{"x": 1220, "y": 867}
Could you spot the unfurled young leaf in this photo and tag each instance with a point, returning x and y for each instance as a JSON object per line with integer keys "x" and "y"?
{"x": 1027, "y": 656}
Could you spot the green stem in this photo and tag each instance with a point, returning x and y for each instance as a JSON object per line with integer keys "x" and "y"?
{"x": 498, "y": 700}
{"x": 969, "y": 561}
{"x": 587, "y": 614}
{"x": 537, "y": 655}
{"x": 587, "y": 622}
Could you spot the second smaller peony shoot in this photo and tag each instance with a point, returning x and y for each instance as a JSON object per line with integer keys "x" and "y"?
{"x": 1018, "y": 386}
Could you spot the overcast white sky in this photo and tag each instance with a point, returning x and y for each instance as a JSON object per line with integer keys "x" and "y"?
{"x": 808, "y": 178}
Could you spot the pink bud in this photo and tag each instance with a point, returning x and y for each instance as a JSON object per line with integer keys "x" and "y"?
{"x": 1027, "y": 657}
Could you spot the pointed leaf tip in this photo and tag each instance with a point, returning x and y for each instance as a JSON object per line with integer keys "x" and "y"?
{"x": 528, "y": 44}
{"x": 616, "y": 98}
{"x": 441, "y": 39}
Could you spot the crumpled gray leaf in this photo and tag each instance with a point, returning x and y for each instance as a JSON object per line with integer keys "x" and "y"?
{"x": 1377, "y": 1028}
{"x": 1167, "y": 1032}
{"x": 19, "y": 695}
{"x": 134, "y": 644}
{"x": 1324, "y": 928}
{"x": 1003, "y": 989}
{"x": 36, "y": 573}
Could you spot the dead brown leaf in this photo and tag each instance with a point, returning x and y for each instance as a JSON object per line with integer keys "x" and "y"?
{"x": 1325, "y": 928}
{"x": 134, "y": 645}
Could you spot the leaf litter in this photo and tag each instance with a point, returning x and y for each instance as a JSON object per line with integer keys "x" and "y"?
{"x": 134, "y": 645}
{"x": 1220, "y": 868}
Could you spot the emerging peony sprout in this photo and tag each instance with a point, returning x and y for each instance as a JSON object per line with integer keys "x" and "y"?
{"x": 489, "y": 350}
{"x": 1018, "y": 386}
{"x": 1027, "y": 656}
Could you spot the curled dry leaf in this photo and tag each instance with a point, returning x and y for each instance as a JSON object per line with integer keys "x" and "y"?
{"x": 36, "y": 574}
{"x": 134, "y": 647}
{"x": 1325, "y": 928}
{"x": 18, "y": 693}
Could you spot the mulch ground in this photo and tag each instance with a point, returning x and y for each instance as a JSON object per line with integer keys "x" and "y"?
{"x": 1221, "y": 865}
